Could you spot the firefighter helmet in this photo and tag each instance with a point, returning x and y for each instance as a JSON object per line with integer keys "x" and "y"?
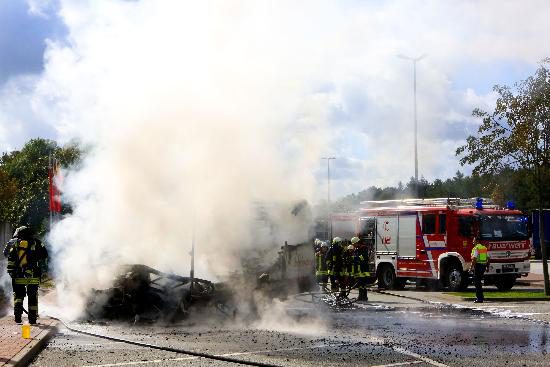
{"x": 18, "y": 231}
{"x": 354, "y": 240}
{"x": 350, "y": 248}
{"x": 323, "y": 244}
{"x": 336, "y": 240}
{"x": 264, "y": 278}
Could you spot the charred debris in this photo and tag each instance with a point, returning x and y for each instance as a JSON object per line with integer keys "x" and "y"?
{"x": 142, "y": 293}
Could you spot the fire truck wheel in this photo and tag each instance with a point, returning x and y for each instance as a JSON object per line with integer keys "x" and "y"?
{"x": 386, "y": 277}
{"x": 456, "y": 279}
{"x": 505, "y": 283}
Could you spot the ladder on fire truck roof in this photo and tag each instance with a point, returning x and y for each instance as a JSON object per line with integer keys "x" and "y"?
{"x": 454, "y": 203}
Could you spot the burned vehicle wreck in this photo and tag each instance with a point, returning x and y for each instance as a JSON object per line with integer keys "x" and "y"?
{"x": 141, "y": 293}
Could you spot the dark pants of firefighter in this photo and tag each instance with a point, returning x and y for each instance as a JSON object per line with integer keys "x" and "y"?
{"x": 335, "y": 282}
{"x": 19, "y": 293}
{"x": 350, "y": 282}
{"x": 322, "y": 280}
{"x": 479, "y": 270}
{"x": 362, "y": 286}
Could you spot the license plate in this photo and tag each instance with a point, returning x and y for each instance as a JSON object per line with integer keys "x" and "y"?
{"x": 508, "y": 268}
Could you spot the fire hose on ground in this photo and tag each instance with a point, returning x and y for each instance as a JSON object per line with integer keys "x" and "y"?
{"x": 167, "y": 349}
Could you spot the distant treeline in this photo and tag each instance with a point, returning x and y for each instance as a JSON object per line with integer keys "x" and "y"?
{"x": 508, "y": 185}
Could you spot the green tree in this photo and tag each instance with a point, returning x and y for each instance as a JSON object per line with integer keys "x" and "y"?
{"x": 28, "y": 170}
{"x": 8, "y": 191}
{"x": 516, "y": 136}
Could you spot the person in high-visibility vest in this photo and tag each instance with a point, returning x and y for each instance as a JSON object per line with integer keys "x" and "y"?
{"x": 26, "y": 256}
{"x": 480, "y": 262}
{"x": 321, "y": 269}
{"x": 360, "y": 267}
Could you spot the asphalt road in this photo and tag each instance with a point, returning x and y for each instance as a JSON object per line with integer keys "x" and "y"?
{"x": 386, "y": 331}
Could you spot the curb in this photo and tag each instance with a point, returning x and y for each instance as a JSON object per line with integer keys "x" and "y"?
{"x": 31, "y": 350}
{"x": 497, "y": 299}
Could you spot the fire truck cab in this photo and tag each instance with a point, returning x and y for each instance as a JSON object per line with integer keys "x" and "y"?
{"x": 430, "y": 241}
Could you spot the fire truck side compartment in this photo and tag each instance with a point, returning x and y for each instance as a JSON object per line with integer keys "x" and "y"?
{"x": 407, "y": 236}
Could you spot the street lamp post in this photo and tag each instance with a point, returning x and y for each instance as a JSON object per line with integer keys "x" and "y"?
{"x": 414, "y": 60}
{"x": 329, "y": 219}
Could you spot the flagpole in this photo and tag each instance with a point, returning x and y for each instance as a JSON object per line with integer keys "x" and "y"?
{"x": 50, "y": 188}
{"x": 192, "y": 260}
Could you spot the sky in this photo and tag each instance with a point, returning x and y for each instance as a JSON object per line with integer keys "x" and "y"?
{"x": 338, "y": 58}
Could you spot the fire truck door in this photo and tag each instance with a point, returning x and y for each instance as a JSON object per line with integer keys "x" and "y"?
{"x": 367, "y": 233}
{"x": 407, "y": 236}
{"x": 386, "y": 234}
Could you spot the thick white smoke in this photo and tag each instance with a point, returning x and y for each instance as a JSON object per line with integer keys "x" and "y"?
{"x": 195, "y": 115}
{"x": 196, "y": 112}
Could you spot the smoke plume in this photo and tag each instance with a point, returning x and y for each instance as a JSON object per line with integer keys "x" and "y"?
{"x": 193, "y": 115}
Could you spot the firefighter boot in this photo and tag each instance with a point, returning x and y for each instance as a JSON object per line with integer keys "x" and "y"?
{"x": 363, "y": 295}
{"x": 18, "y": 312}
{"x": 342, "y": 293}
{"x": 32, "y": 317}
{"x": 32, "y": 292}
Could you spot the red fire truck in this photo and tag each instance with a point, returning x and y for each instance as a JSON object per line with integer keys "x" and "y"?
{"x": 430, "y": 241}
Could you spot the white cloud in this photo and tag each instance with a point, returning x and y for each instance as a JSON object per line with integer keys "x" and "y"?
{"x": 347, "y": 49}
{"x": 18, "y": 121}
{"x": 41, "y": 8}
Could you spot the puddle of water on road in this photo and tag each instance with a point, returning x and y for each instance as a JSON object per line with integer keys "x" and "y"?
{"x": 448, "y": 330}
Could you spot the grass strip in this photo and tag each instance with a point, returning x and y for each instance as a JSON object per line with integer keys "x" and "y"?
{"x": 488, "y": 294}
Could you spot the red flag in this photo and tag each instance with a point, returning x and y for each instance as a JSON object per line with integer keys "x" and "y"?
{"x": 54, "y": 179}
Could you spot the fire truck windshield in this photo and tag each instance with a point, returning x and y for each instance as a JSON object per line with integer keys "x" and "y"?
{"x": 503, "y": 227}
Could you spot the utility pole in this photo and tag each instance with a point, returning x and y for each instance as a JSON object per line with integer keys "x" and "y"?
{"x": 414, "y": 60}
{"x": 329, "y": 219}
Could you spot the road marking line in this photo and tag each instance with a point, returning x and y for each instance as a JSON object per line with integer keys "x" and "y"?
{"x": 398, "y": 364}
{"x": 283, "y": 349}
{"x": 140, "y": 362}
{"x": 218, "y": 355}
{"x": 382, "y": 342}
{"x": 418, "y": 356}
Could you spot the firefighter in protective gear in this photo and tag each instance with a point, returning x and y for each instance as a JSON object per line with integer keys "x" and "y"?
{"x": 317, "y": 244}
{"x": 480, "y": 261}
{"x": 321, "y": 269}
{"x": 333, "y": 259}
{"x": 348, "y": 280}
{"x": 26, "y": 256}
{"x": 360, "y": 267}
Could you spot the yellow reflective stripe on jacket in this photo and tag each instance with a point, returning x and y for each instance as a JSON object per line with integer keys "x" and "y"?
{"x": 27, "y": 281}
{"x": 22, "y": 254}
{"x": 320, "y": 269}
{"x": 362, "y": 274}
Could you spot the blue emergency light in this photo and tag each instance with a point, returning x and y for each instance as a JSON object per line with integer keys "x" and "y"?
{"x": 479, "y": 203}
{"x": 510, "y": 205}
